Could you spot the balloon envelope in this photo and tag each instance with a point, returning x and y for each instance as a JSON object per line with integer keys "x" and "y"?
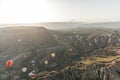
{"x": 46, "y": 62}
{"x": 53, "y": 55}
{"x": 24, "y": 69}
{"x": 33, "y": 76}
{"x": 33, "y": 62}
{"x": 33, "y": 72}
{"x": 29, "y": 74}
{"x": 9, "y": 63}
{"x": 70, "y": 49}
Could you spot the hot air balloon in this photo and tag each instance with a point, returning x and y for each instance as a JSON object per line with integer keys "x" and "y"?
{"x": 53, "y": 55}
{"x": 29, "y": 74}
{"x": 70, "y": 50}
{"x": 32, "y": 75}
{"x": 33, "y": 72}
{"x": 24, "y": 69}
{"x": 33, "y": 63}
{"x": 46, "y": 62}
{"x": 9, "y": 63}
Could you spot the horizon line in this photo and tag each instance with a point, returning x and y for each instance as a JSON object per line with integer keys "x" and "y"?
{"x": 58, "y": 22}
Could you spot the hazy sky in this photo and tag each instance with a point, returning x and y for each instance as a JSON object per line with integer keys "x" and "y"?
{"x": 31, "y": 11}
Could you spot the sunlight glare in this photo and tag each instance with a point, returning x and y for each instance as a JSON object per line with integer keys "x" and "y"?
{"x": 27, "y": 11}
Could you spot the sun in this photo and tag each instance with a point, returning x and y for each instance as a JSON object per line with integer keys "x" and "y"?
{"x": 27, "y": 11}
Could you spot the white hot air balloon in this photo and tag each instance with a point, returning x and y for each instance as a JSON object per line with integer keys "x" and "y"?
{"x": 46, "y": 62}
{"x": 53, "y": 55}
{"x": 29, "y": 74}
{"x": 24, "y": 69}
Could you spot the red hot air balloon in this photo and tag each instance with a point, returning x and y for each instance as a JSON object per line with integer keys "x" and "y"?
{"x": 33, "y": 76}
{"x": 9, "y": 63}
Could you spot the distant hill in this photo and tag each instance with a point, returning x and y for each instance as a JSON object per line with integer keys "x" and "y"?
{"x": 67, "y": 25}
{"x": 16, "y": 40}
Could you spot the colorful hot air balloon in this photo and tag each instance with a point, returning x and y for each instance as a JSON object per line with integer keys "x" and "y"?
{"x": 24, "y": 69}
{"x": 53, "y": 55}
{"x": 32, "y": 75}
{"x": 9, "y": 63}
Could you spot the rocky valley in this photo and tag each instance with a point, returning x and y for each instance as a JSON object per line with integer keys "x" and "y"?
{"x": 74, "y": 54}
